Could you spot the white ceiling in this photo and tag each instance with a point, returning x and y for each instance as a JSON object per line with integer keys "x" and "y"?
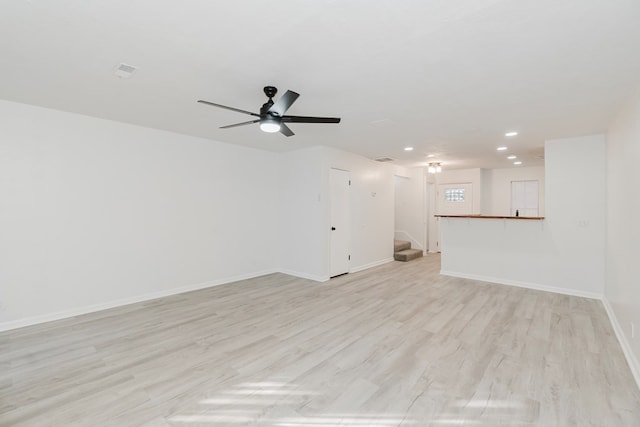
{"x": 448, "y": 77}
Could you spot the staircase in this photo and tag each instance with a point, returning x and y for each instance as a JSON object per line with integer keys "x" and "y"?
{"x": 402, "y": 251}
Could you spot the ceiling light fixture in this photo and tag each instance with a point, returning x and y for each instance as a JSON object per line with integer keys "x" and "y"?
{"x": 408, "y": 148}
{"x": 517, "y": 163}
{"x": 511, "y": 134}
{"x": 431, "y": 155}
{"x": 270, "y": 125}
{"x": 512, "y": 157}
{"x": 434, "y": 167}
{"x": 501, "y": 148}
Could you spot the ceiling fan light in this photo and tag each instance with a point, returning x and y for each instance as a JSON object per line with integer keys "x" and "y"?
{"x": 269, "y": 126}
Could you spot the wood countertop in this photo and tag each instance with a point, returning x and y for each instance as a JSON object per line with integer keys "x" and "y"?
{"x": 535, "y": 218}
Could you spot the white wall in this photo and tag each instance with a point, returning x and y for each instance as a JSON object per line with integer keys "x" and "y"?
{"x": 492, "y": 187}
{"x": 303, "y": 219}
{"x": 305, "y": 211}
{"x": 622, "y": 289}
{"x": 498, "y": 192}
{"x": 563, "y": 253}
{"x": 372, "y": 206}
{"x": 473, "y": 176}
{"x": 95, "y": 213}
{"x": 575, "y": 194}
{"x": 486, "y": 186}
{"x": 410, "y": 207}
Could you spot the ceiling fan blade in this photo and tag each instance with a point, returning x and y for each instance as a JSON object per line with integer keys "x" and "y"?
{"x": 228, "y": 108}
{"x": 284, "y": 129}
{"x": 304, "y": 119}
{"x": 239, "y": 124}
{"x": 284, "y": 102}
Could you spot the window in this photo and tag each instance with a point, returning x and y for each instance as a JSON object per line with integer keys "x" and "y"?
{"x": 455, "y": 198}
{"x": 454, "y": 195}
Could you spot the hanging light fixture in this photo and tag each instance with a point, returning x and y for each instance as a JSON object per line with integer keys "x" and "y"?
{"x": 434, "y": 167}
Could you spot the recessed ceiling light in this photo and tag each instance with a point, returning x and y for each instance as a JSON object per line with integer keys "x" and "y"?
{"x": 511, "y": 134}
{"x": 408, "y": 148}
{"x": 517, "y": 163}
{"x": 502, "y": 148}
{"x": 512, "y": 157}
{"x": 431, "y": 155}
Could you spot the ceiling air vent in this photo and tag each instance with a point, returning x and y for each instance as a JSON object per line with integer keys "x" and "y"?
{"x": 125, "y": 71}
{"x": 384, "y": 159}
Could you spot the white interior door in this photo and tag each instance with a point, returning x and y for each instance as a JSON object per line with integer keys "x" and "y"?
{"x": 524, "y": 198}
{"x": 340, "y": 220}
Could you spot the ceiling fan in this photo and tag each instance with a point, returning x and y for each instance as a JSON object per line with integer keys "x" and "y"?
{"x": 271, "y": 117}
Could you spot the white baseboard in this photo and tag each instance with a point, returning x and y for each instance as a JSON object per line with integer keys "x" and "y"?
{"x": 528, "y": 285}
{"x": 304, "y": 275}
{"x": 624, "y": 343}
{"x": 370, "y": 265}
{"x": 34, "y": 320}
{"x": 632, "y": 360}
{"x": 50, "y": 317}
{"x": 634, "y": 365}
{"x": 325, "y": 278}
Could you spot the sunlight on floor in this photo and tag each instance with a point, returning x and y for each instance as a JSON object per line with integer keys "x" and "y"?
{"x": 251, "y": 401}
{"x": 282, "y": 403}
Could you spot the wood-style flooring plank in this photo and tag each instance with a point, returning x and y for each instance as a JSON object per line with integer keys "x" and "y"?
{"x": 395, "y": 345}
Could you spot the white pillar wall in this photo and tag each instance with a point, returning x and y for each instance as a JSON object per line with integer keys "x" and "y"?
{"x": 565, "y": 252}
{"x": 622, "y": 290}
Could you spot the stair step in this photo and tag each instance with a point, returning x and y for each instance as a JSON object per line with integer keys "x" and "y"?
{"x": 407, "y": 255}
{"x": 400, "y": 245}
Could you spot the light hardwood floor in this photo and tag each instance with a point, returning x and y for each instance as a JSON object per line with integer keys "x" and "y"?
{"x": 395, "y": 345}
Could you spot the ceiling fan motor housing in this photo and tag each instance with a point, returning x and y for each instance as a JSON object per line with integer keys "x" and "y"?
{"x": 270, "y": 91}
{"x": 264, "y": 110}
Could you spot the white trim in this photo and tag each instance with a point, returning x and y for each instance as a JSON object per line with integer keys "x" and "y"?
{"x": 50, "y": 317}
{"x": 304, "y": 275}
{"x": 34, "y": 320}
{"x": 632, "y": 361}
{"x": 371, "y": 265}
{"x": 528, "y": 285}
